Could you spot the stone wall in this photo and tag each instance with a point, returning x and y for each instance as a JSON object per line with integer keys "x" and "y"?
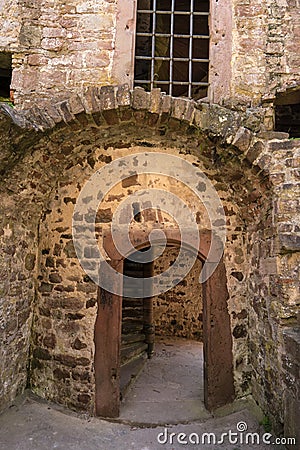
{"x": 66, "y": 299}
{"x": 291, "y": 367}
{"x": 10, "y": 24}
{"x": 60, "y": 49}
{"x": 265, "y": 55}
{"x": 44, "y": 167}
{"x": 17, "y": 269}
{"x": 178, "y": 312}
{"x": 274, "y": 277}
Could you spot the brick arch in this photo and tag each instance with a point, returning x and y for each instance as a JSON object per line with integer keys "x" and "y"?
{"x": 217, "y": 339}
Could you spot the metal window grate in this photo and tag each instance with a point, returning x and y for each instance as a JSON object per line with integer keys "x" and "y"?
{"x": 172, "y": 46}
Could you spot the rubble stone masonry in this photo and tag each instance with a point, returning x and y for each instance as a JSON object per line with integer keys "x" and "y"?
{"x": 58, "y": 48}
{"x": 48, "y": 305}
{"x": 73, "y": 115}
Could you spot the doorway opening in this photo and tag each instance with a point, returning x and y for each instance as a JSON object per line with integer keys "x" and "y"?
{"x": 217, "y": 336}
{"x": 169, "y": 386}
{"x": 137, "y": 333}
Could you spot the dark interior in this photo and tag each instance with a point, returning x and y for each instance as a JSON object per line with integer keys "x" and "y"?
{"x": 179, "y": 71}
{"x": 5, "y": 75}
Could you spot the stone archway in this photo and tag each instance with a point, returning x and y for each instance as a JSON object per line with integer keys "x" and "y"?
{"x": 217, "y": 339}
{"x": 45, "y": 149}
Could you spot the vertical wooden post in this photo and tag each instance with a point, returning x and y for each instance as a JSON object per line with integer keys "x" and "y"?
{"x": 149, "y": 327}
{"x": 217, "y": 340}
{"x": 107, "y": 350}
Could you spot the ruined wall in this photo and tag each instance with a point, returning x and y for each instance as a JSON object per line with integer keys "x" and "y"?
{"x": 274, "y": 281}
{"x": 56, "y": 166}
{"x": 57, "y": 47}
{"x": 42, "y": 174}
{"x": 61, "y": 48}
{"x": 265, "y": 57}
{"x": 16, "y": 299}
{"x": 282, "y": 52}
{"x": 178, "y": 312}
{"x": 10, "y": 24}
{"x": 63, "y": 345}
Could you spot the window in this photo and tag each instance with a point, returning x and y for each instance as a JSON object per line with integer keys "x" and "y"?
{"x": 5, "y": 76}
{"x": 287, "y": 112}
{"x": 172, "y": 46}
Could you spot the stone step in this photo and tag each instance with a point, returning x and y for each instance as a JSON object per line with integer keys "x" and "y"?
{"x": 130, "y": 372}
{"x": 132, "y": 326}
{"x": 131, "y": 351}
{"x": 133, "y": 312}
{"x": 132, "y": 338}
{"x": 132, "y": 302}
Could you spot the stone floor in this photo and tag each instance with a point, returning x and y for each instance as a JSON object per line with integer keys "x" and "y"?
{"x": 170, "y": 387}
{"x": 165, "y": 402}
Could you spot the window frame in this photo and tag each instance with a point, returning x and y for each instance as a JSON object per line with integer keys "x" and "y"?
{"x": 176, "y": 59}
{"x": 220, "y": 47}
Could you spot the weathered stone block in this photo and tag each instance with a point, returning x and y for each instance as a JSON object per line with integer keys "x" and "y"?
{"x": 108, "y": 99}
{"x": 166, "y": 103}
{"x": 123, "y": 95}
{"x": 30, "y": 261}
{"x": 78, "y": 344}
{"x": 75, "y": 316}
{"x": 49, "y": 341}
{"x": 254, "y": 151}
{"x": 88, "y": 287}
{"x": 69, "y": 250}
{"x": 75, "y": 105}
{"x": 71, "y": 303}
{"x": 30, "y": 35}
{"x": 65, "y": 111}
{"x": 289, "y": 242}
{"x": 61, "y": 374}
{"x": 41, "y": 353}
{"x": 201, "y": 117}
{"x": 55, "y": 278}
{"x": 240, "y": 331}
{"x": 91, "y": 303}
{"x": 90, "y": 100}
{"x": 84, "y": 398}
{"x": 140, "y": 99}
{"x": 242, "y": 139}
{"x": 104, "y": 215}
{"x": 45, "y": 287}
{"x": 72, "y": 361}
{"x": 155, "y": 101}
{"x": 182, "y": 109}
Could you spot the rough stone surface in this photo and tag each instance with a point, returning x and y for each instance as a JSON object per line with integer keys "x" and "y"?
{"x": 70, "y": 120}
{"x": 46, "y": 299}
{"x": 59, "y": 49}
{"x": 178, "y": 312}
{"x": 38, "y": 426}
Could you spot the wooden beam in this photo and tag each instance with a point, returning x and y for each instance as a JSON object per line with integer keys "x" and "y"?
{"x": 107, "y": 351}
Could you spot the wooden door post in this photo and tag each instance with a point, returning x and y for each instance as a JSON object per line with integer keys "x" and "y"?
{"x": 107, "y": 350}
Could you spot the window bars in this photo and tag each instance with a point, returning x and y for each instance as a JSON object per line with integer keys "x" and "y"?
{"x": 172, "y": 46}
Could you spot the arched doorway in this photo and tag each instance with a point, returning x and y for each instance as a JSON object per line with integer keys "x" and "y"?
{"x": 217, "y": 340}
{"x": 161, "y": 374}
